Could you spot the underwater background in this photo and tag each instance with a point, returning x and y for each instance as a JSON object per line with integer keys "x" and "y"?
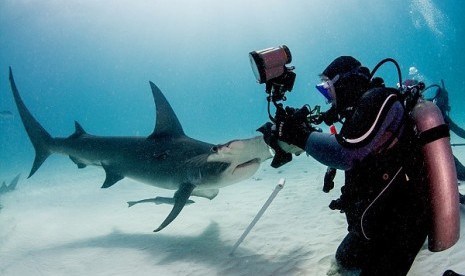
{"x": 91, "y": 62}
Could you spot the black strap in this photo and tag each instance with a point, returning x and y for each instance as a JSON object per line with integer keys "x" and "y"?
{"x": 433, "y": 134}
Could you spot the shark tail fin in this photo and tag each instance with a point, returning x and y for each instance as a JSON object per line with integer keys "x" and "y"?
{"x": 40, "y": 138}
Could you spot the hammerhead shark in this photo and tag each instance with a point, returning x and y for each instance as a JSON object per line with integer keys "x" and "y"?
{"x": 167, "y": 158}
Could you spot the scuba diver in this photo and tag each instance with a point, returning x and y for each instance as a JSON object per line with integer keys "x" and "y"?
{"x": 441, "y": 99}
{"x": 384, "y": 196}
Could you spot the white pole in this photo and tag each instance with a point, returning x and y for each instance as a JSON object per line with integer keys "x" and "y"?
{"x": 259, "y": 214}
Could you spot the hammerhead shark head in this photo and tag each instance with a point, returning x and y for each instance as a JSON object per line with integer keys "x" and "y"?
{"x": 167, "y": 158}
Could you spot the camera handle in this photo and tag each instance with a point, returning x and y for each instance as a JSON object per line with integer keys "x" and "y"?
{"x": 304, "y": 115}
{"x": 276, "y": 89}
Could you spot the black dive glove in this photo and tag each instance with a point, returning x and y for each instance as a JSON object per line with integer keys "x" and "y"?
{"x": 293, "y": 131}
{"x": 280, "y": 157}
{"x": 292, "y": 128}
{"x": 329, "y": 117}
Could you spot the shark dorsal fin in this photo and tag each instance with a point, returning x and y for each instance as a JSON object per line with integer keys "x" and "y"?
{"x": 167, "y": 123}
{"x": 78, "y": 131}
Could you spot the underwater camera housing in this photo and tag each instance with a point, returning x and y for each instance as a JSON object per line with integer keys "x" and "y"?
{"x": 269, "y": 67}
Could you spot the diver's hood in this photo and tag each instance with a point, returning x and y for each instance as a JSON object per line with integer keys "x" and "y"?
{"x": 352, "y": 80}
{"x": 341, "y": 65}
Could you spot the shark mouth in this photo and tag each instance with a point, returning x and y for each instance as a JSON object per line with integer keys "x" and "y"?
{"x": 251, "y": 164}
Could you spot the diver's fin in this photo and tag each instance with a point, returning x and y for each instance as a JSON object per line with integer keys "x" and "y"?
{"x": 111, "y": 177}
{"x": 180, "y": 198}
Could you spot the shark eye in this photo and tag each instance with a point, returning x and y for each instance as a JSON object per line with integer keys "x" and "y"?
{"x": 214, "y": 149}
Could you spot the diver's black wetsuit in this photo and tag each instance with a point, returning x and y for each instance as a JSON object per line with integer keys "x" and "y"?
{"x": 382, "y": 196}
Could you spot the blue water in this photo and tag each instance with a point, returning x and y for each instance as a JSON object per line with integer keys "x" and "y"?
{"x": 91, "y": 61}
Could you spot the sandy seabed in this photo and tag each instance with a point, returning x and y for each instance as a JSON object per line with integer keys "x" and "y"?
{"x": 59, "y": 222}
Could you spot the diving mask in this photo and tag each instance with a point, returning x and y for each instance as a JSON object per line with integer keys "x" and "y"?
{"x": 326, "y": 88}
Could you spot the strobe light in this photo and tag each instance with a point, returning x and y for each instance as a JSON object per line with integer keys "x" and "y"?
{"x": 270, "y": 63}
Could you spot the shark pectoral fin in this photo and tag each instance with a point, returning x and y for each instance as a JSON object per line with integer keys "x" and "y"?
{"x": 180, "y": 198}
{"x": 206, "y": 193}
{"x": 111, "y": 177}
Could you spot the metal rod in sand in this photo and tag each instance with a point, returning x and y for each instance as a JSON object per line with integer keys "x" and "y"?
{"x": 259, "y": 214}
